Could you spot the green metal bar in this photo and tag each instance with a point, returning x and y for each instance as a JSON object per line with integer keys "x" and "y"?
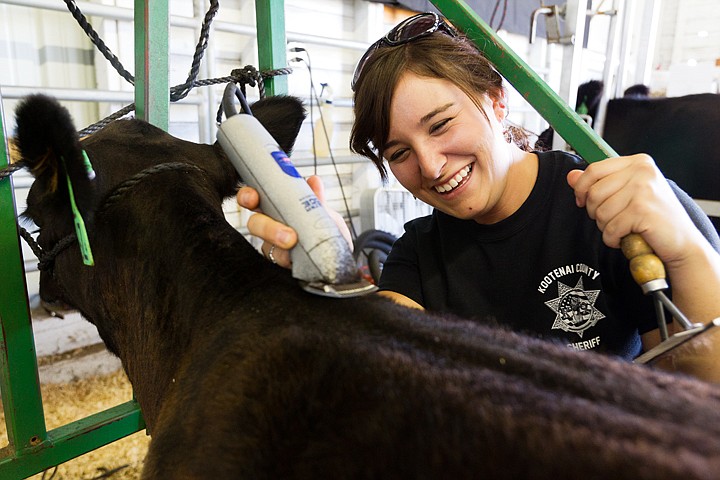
{"x": 270, "y": 20}
{"x": 69, "y": 441}
{"x": 586, "y": 142}
{"x": 32, "y": 448}
{"x": 19, "y": 382}
{"x": 152, "y": 27}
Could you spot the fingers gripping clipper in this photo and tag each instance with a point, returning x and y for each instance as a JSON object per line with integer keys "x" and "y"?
{"x": 322, "y": 260}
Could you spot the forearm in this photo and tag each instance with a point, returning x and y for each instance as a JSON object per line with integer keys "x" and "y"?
{"x": 696, "y": 292}
{"x": 696, "y": 283}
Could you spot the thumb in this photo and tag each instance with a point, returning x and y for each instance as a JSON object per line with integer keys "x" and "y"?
{"x": 317, "y": 186}
{"x": 573, "y": 176}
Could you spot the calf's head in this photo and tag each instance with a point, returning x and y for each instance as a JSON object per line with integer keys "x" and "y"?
{"x": 53, "y": 152}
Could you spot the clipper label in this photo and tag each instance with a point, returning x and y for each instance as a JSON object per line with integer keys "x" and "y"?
{"x": 285, "y": 164}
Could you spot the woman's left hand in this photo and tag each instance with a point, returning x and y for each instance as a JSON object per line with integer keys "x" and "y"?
{"x": 630, "y": 195}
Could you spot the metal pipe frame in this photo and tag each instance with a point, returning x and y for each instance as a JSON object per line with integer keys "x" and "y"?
{"x": 32, "y": 448}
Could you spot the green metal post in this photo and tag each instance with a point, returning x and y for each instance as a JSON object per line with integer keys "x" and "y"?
{"x": 152, "y": 27}
{"x": 32, "y": 448}
{"x": 18, "y": 364}
{"x": 270, "y": 20}
{"x": 586, "y": 142}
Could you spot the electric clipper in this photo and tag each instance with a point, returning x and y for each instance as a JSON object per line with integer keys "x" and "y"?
{"x": 322, "y": 259}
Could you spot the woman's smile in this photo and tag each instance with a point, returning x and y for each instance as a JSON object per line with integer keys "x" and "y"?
{"x": 457, "y": 181}
{"x": 449, "y": 150}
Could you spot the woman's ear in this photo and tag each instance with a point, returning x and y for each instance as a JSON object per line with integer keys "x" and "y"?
{"x": 500, "y": 106}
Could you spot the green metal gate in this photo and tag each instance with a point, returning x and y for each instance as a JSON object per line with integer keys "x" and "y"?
{"x": 32, "y": 448}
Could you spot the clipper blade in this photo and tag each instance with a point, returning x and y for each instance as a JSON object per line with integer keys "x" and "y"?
{"x": 347, "y": 290}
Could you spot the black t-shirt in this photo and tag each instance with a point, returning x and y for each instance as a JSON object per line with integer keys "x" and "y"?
{"x": 544, "y": 270}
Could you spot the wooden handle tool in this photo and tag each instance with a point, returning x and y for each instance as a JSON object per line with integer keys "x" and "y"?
{"x": 649, "y": 272}
{"x": 646, "y": 268}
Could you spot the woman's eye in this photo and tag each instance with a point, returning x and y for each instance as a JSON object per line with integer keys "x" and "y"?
{"x": 437, "y": 126}
{"x": 397, "y": 155}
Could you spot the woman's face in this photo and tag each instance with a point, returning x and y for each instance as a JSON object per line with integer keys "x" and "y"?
{"x": 446, "y": 152}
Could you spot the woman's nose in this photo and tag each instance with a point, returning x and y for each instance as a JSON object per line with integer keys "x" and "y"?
{"x": 431, "y": 164}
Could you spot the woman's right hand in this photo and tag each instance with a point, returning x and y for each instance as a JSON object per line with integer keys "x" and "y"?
{"x": 269, "y": 230}
{"x": 272, "y": 232}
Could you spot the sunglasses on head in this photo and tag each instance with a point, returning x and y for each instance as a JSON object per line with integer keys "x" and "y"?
{"x": 417, "y": 26}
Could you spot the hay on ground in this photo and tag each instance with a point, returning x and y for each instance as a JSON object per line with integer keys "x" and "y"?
{"x": 67, "y": 402}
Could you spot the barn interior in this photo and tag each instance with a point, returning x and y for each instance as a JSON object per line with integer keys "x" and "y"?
{"x": 606, "y": 59}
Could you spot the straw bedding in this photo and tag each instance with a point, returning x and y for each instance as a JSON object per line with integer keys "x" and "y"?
{"x": 66, "y": 402}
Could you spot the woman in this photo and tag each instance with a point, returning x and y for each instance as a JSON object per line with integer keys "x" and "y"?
{"x": 529, "y": 238}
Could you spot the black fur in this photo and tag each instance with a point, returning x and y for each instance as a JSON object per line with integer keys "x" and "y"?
{"x": 241, "y": 374}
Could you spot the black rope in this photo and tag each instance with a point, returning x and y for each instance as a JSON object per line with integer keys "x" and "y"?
{"x": 46, "y": 259}
{"x": 10, "y": 169}
{"x": 97, "y": 126}
{"x": 98, "y": 42}
{"x": 128, "y": 184}
{"x": 179, "y": 92}
{"x": 30, "y": 241}
{"x": 247, "y": 75}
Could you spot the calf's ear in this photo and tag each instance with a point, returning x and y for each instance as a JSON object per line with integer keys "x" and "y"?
{"x": 282, "y": 116}
{"x": 50, "y": 148}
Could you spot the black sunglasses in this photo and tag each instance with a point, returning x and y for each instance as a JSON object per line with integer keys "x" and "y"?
{"x": 417, "y": 26}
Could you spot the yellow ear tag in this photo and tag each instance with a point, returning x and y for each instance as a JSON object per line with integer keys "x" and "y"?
{"x": 79, "y": 224}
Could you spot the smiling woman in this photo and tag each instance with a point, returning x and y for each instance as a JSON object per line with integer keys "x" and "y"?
{"x": 506, "y": 219}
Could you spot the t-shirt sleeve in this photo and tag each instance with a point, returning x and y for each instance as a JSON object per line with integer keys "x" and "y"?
{"x": 401, "y": 273}
{"x": 699, "y": 218}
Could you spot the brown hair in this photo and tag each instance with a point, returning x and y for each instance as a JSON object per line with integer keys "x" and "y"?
{"x": 438, "y": 55}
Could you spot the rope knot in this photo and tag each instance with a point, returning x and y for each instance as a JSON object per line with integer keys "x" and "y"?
{"x": 247, "y": 75}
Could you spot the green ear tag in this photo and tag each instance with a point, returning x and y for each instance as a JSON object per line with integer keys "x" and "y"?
{"x": 88, "y": 166}
{"x": 79, "y": 224}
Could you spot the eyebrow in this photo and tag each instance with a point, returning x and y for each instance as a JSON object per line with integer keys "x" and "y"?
{"x": 440, "y": 109}
{"x": 423, "y": 120}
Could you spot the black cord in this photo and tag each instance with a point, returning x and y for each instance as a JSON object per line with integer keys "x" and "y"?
{"x": 232, "y": 91}
{"x": 502, "y": 18}
{"x": 492, "y": 17}
{"x": 310, "y": 95}
{"x": 504, "y": 12}
{"x": 52, "y": 475}
{"x": 316, "y": 99}
{"x": 374, "y": 245}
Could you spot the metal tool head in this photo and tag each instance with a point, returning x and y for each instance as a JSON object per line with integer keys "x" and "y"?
{"x": 699, "y": 341}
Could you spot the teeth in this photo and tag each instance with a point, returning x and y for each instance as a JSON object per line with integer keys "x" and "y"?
{"x": 454, "y": 182}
